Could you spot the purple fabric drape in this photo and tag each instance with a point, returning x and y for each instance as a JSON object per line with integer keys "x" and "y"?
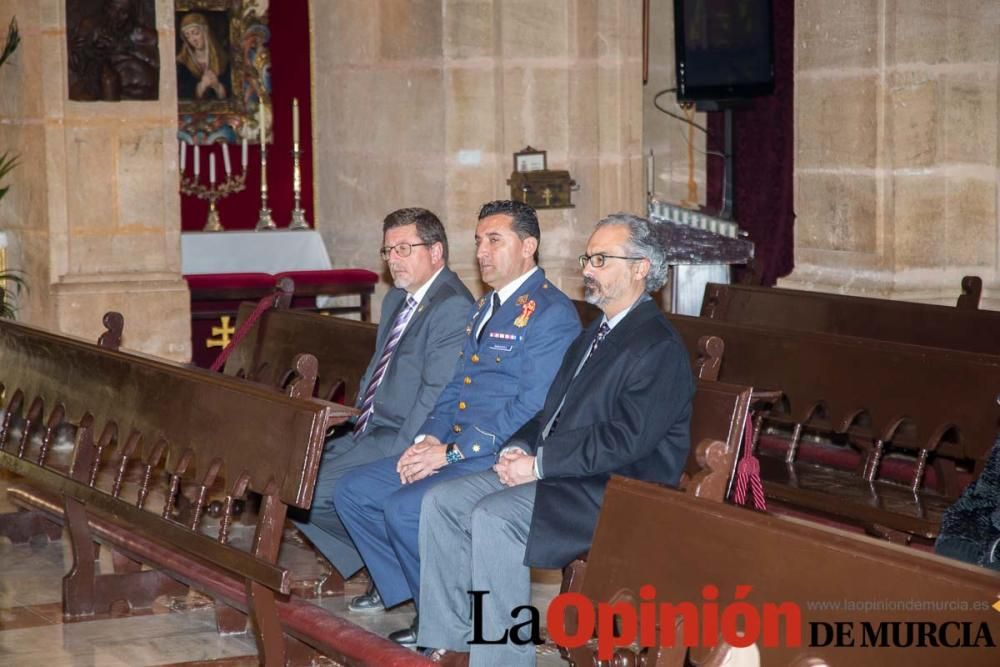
{"x": 763, "y": 142}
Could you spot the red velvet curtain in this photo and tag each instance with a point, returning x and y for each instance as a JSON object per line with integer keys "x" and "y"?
{"x": 290, "y": 78}
{"x": 763, "y": 142}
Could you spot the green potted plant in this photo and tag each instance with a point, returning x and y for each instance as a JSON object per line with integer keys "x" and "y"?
{"x": 11, "y": 282}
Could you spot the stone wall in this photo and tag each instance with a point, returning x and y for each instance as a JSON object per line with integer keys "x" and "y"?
{"x": 423, "y": 103}
{"x": 897, "y": 154}
{"x": 92, "y": 214}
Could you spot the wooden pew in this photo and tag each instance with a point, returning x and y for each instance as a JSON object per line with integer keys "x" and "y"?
{"x": 145, "y": 429}
{"x": 341, "y": 347}
{"x": 934, "y": 408}
{"x": 678, "y": 544}
{"x": 960, "y": 328}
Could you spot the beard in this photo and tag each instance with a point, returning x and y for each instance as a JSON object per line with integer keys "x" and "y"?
{"x": 593, "y": 293}
{"x": 399, "y": 279}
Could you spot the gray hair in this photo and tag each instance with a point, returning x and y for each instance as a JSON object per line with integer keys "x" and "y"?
{"x": 645, "y": 240}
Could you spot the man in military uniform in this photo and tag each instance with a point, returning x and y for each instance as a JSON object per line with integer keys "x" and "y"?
{"x": 514, "y": 342}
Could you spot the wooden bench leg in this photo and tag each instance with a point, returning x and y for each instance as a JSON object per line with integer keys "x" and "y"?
{"x": 80, "y": 582}
{"x": 123, "y": 563}
{"x": 333, "y": 584}
{"x": 261, "y": 599}
{"x": 20, "y": 527}
{"x": 267, "y": 628}
{"x": 85, "y": 592}
{"x": 229, "y": 620}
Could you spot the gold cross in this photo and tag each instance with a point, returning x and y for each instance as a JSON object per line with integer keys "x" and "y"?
{"x": 222, "y": 332}
{"x": 547, "y": 194}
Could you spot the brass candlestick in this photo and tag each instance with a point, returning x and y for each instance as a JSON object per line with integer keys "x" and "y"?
{"x": 264, "y": 220}
{"x": 213, "y": 192}
{"x": 298, "y": 214}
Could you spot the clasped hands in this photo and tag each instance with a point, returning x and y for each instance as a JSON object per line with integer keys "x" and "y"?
{"x": 514, "y": 467}
{"x": 424, "y": 458}
{"x": 421, "y": 459}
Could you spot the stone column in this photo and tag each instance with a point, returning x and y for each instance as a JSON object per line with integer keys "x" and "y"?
{"x": 896, "y": 166}
{"x": 93, "y": 210}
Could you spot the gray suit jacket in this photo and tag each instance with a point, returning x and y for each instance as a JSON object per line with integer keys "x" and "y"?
{"x": 422, "y": 364}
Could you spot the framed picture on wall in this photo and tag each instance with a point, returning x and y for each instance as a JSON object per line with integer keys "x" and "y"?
{"x": 530, "y": 159}
{"x": 223, "y": 70}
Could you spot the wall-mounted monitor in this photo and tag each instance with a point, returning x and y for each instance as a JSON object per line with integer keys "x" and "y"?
{"x": 724, "y": 49}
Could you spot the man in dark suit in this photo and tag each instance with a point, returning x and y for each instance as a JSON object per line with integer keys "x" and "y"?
{"x": 514, "y": 341}
{"x": 420, "y": 333}
{"x": 620, "y": 404}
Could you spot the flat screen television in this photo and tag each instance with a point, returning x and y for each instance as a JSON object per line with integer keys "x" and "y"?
{"x": 724, "y": 49}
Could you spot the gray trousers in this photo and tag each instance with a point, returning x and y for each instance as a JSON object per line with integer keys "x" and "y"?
{"x": 324, "y": 527}
{"x": 473, "y": 532}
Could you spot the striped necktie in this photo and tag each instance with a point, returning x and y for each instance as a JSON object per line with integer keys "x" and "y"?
{"x": 603, "y": 331}
{"x": 368, "y": 405}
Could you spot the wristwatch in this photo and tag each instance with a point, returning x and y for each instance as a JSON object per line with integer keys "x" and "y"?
{"x": 452, "y": 454}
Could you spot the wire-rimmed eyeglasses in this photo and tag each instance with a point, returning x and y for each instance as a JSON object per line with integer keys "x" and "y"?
{"x": 402, "y": 249}
{"x": 597, "y": 261}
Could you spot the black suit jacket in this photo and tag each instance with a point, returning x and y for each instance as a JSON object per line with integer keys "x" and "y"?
{"x": 628, "y": 412}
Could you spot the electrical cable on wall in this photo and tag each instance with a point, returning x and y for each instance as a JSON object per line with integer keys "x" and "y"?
{"x": 692, "y": 199}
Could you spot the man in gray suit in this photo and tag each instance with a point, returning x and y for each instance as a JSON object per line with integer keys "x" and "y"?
{"x": 419, "y": 337}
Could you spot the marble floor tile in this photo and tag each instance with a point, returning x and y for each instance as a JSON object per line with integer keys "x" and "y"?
{"x": 179, "y": 631}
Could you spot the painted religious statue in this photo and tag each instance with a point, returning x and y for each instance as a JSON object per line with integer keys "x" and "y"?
{"x": 113, "y": 50}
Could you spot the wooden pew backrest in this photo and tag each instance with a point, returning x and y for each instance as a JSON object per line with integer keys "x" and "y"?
{"x": 943, "y": 400}
{"x": 189, "y": 417}
{"x": 717, "y": 422}
{"x": 342, "y": 348}
{"x": 959, "y": 328}
{"x": 648, "y": 535}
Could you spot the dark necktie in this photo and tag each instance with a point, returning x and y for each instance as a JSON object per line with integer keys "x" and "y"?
{"x": 493, "y": 312}
{"x": 398, "y": 325}
{"x": 598, "y": 339}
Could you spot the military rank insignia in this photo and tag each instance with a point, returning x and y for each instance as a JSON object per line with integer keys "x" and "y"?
{"x": 527, "y": 309}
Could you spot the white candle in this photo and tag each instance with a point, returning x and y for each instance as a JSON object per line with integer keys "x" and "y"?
{"x": 211, "y": 168}
{"x": 295, "y": 122}
{"x": 262, "y": 123}
{"x": 225, "y": 159}
{"x": 197, "y": 161}
{"x": 263, "y": 149}
{"x": 183, "y": 148}
{"x": 244, "y": 157}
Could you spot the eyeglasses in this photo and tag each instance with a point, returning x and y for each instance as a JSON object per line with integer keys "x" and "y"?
{"x": 597, "y": 261}
{"x": 402, "y": 249}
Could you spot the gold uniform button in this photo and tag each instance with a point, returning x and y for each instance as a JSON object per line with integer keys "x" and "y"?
{"x": 456, "y": 428}
{"x": 461, "y": 405}
{"x": 475, "y": 447}
{"x": 474, "y": 358}
{"x": 467, "y": 380}
{"x": 498, "y": 358}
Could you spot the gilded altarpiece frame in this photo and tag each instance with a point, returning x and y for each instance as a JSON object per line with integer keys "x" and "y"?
{"x": 223, "y": 70}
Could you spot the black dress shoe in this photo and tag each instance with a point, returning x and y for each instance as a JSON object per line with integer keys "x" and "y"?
{"x": 407, "y": 636}
{"x": 369, "y": 603}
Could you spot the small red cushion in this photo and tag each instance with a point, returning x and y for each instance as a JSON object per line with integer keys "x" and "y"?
{"x": 230, "y": 280}
{"x": 332, "y": 277}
